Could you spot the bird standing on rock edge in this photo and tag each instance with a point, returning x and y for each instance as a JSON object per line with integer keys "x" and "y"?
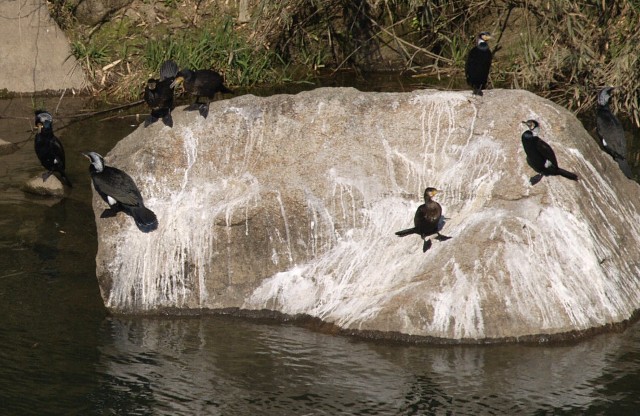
{"x": 611, "y": 132}
{"x": 540, "y": 156}
{"x": 479, "y": 63}
{"x": 48, "y": 148}
{"x": 158, "y": 94}
{"x": 201, "y": 83}
{"x": 426, "y": 220}
{"x": 121, "y": 193}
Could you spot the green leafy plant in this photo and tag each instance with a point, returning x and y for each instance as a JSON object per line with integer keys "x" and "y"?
{"x": 90, "y": 54}
{"x": 216, "y": 47}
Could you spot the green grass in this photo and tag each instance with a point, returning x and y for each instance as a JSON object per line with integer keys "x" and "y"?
{"x": 91, "y": 55}
{"x": 217, "y": 47}
{"x": 564, "y": 50}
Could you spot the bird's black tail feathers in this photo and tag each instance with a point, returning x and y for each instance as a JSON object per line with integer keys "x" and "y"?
{"x": 65, "y": 180}
{"x": 567, "y": 174}
{"x": 406, "y": 232}
{"x": 225, "y": 90}
{"x": 203, "y": 109}
{"x": 624, "y": 167}
{"x": 168, "y": 70}
{"x": 145, "y": 219}
{"x": 168, "y": 120}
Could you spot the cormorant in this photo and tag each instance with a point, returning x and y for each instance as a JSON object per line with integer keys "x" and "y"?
{"x": 120, "y": 192}
{"x": 479, "y": 63}
{"x": 611, "y": 132}
{"x": 158, "y": 94}
{"x": 201, "y": 83}
{"x": 426, "y": 220}
{"x": 540, "y": 155}
{"x": 48, "y": 148}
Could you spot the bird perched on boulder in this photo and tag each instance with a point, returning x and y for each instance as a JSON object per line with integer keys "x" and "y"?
{"x": 119, "y": 190}
{"x": 479, "y": 63}
{"x": 426, "y": 220}
{"x": 158, "y": 94}
{"x": 540, "y": 155}
{"x": 201, "y": 83}
{"x": 48, "y": 148}
{"x": 611, "y": 132}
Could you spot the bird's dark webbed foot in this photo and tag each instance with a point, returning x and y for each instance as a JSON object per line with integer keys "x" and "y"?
{"x": 535, "y": 179}
{"x": 441, "y": 237}
{"x": 149, "y": 121}
{"x": 168, "y": 120}
{"x": 193, "y": 107}
{"x": 477, "y": 91}
{"x": 204, "y": 110}
{"x": 109, "y": 212}
{"x": 426, "y": 245}
{"x": 624, "y": 167}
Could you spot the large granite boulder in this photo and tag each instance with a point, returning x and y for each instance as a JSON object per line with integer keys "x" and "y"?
{"x": 34, "y": 53}
{"x": 290, "y": 203}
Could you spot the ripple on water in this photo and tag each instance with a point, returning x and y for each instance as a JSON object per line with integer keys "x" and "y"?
{"x": 217, "y": 365}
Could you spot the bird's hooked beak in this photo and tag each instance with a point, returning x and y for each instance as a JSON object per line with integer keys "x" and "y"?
{"x": 486, "y": 36}
{"x": 433, "y": 192}
{"x": 176, "y": 82}
{"x": 39, "y": 127}
{"x": 86, "y": 154}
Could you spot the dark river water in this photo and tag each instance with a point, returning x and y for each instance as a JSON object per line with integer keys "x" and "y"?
{"x": 61, "y": 353}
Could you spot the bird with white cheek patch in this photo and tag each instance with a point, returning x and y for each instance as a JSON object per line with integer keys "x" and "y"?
{"x": 119, "y": 190}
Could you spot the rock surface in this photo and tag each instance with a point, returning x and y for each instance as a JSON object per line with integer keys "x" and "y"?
{"x": 290, "y": 203}
{"x": 91, "y": 12}
{"x": 34, "y": 52}
{"x": 51, "y": 187}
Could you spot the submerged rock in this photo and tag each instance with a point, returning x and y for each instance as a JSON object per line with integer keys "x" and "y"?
{"x": 290, "y": 203}
{"x": 51, "y": 187}
{"x": 7, "y": 147}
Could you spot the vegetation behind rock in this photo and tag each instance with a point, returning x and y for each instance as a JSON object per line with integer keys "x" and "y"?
{"x": 564, "y": 50}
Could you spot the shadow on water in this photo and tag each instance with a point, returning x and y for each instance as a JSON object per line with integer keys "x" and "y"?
{"x": 61, "y": 353}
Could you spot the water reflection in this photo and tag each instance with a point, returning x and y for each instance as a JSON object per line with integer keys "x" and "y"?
{"x": 226, "y": 366}
{"x": 216, "y": 365}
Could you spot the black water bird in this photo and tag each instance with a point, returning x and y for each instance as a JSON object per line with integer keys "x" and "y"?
{"x": 540, "y": 156}
{"x": 121, "y": 193}
{"x": 48, "y": 148}
{"x": 427, "y": 220}
{"x": 479, "y": 63}
{"x": 201, "y": 83}
{"x": 158, "y": 94}
{"x": 611, "y": 132}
